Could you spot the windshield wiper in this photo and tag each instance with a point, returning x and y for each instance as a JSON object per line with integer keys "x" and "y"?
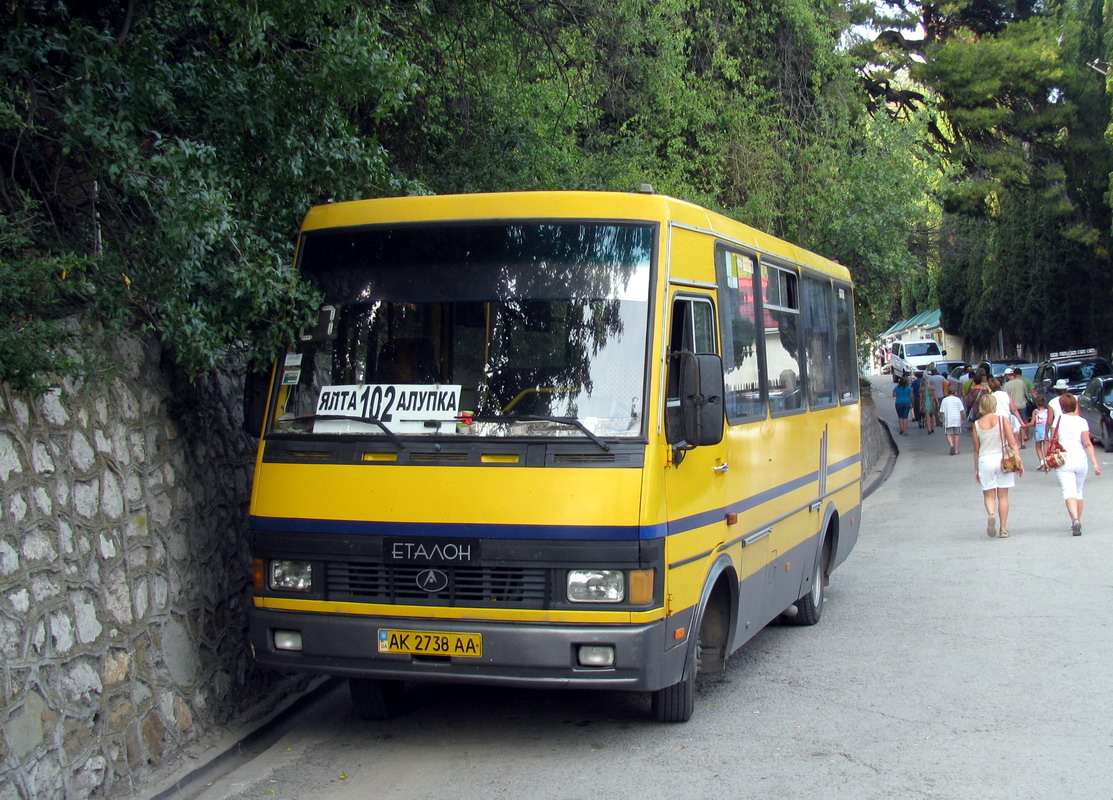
{"x": 575, "y": 423}
{"x": 372, "y": 420}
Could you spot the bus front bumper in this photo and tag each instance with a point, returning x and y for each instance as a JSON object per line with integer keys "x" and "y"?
{"x": 513, "y": 654}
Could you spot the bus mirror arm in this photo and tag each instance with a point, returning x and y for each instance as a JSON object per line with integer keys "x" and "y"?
{"x": 701, "y": 401}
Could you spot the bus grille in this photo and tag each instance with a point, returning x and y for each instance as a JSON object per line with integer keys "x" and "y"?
{"x": 521, "y": 587}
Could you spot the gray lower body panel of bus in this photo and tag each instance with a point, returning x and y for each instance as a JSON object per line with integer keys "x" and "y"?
{"x": 514, "y": 654}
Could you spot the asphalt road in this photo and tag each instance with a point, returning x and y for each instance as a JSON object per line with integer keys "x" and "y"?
{"x": 947, "y": 665}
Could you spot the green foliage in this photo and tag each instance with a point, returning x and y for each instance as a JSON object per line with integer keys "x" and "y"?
{"x": 176, "y": 144}
{"x": 164, "y": 152}
{"x": 1024, "y": 244}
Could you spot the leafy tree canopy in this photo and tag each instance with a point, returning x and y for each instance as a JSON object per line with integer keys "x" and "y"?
{"x": 157, "y": 157}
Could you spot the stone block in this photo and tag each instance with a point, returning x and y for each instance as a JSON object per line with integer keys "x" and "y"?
{"x": 9, "y": 559}
{"x": 77, "y": 738}
{"x": 17, "y": 509}
{"x": 42, "y": 461}
{"x": 82, "y": 456}
{"x": 182, "y": 714}
{"x": 119, "y": 715}
{"x": 80, "y": 681}
{"x": 24, "y": 731}
{"x": 117, "y": 666}
{"x": 118, "y": 597}
{"x": 154, "y": 738}
{"x": 179, "y": 653}
{"x": 85, "y": 618}
{"x": 37, "y": 546}
{"x": 61, "y": 633}
{"x": 50, "y": 407}
{"x": 112, "y": 498}
{"x": 91, "y": 776}
{"x": 10, "y": 458}
{"x": 86, "y": 498}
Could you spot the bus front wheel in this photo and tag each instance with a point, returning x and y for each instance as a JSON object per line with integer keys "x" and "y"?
{"x": 374, "y": 698}
{"x": 677, "y": 702}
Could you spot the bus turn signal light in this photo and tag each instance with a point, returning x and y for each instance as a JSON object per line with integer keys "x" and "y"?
{"x": 641, "y": 586}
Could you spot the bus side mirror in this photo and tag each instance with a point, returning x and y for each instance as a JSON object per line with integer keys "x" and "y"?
{"x": 701, "y": 398}
{"x": 256, "y": 386}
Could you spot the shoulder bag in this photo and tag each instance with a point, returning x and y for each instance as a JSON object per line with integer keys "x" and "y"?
{"x": 1055, "y": 454}
{"x": 1010, "y": 458}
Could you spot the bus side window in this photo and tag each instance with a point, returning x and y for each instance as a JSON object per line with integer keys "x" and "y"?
{"x": 847, "y": 372}
{"x": 693, "y": 330}
{"x": 735, "y": 271}
{"x": 784, "y": 380}
{"x": 819, "y": 342}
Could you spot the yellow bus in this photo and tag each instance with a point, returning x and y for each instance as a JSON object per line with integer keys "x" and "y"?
{"x": 550, "y": 439}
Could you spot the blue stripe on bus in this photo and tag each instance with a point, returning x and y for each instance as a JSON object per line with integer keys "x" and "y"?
{"x": 466, "y": 530}
{"x": 460, "y": 530}
{"x": 705, "y": 518}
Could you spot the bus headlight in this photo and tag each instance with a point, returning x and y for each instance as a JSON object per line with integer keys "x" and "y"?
{"x": 596, "y": 586}
{"x": 291, "y": 576}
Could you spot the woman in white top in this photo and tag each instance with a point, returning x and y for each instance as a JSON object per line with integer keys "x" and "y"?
{"x": 1073, "y": 433}
{"x": 989, "y": 431}
{"x": 1005, "y": 406}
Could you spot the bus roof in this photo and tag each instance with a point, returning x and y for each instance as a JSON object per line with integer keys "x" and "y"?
{"x": 572, "y": 205}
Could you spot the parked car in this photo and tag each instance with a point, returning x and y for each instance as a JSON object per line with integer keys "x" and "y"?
{"x": 995, "y": 368}
{"x": 1029, "y": 372}
{"x": 945, "y": 367}
{"x": 1078, "y": 367}
{"x": 1096, "y": 405}
{"x": 909, "y": 358}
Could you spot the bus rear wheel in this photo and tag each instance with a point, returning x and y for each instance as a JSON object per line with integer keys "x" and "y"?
{"x": 809, "y": 608}
{"x": 375, "y": 698}
{"x": 676, "y": 703}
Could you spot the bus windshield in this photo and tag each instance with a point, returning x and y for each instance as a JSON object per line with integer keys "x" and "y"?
{"x": 523, "y": 329}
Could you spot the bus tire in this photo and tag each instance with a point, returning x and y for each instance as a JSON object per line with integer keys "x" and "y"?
{"x": 676, "y": 703}
{"x": 809, "y": 608}
{"x": 375, "y": 698}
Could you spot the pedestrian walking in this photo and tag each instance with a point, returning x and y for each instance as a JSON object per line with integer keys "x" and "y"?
{"x": 917, "y": 401}
{"x": 902, "y": 392}
{"x": 1073, "y": 433}
{"x": 1040, "y": 424}
{"x": 1020, "y": 392}
{"x": 991, "y": 432}
{"x": 1058, "y": 389}
{"x": 971, "y": 395}
{"x": 929, "y": 404}
{"x": 1005, "y": 405}
{"x": 953, "y": 411}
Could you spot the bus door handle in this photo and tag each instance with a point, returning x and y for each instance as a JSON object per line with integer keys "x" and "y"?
{"x": 721, "y": 468}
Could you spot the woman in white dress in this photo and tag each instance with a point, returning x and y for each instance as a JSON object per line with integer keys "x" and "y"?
{"x": 1073, "y": 432}
{"x": 989, "y": 431}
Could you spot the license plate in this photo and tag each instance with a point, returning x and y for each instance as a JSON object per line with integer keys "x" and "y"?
{"x": 431, "y": 643}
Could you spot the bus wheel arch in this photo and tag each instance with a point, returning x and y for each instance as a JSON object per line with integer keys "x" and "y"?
{"x": 708, "y": 647}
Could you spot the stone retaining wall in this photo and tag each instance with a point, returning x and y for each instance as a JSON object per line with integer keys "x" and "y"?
{"x": 124, "y": 579}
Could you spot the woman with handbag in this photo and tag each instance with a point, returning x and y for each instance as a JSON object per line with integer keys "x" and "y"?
{"x": 995, "y": 448}
{"x": 1073, "y": 433}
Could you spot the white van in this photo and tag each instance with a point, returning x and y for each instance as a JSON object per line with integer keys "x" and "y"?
{"x": 909, "y": 358}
